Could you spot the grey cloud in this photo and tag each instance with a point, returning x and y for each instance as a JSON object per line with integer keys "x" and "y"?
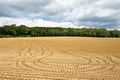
{"x": 98, "y": 19}
{"x": 89, "y": 10}
{"x": 26, "y": 7}
{"x": 94, "y": 17}
{"x": 100, "y": 22}
{"x": 110, "y": 4}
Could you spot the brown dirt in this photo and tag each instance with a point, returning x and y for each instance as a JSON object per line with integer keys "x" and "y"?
{"x": 60, "y": 58}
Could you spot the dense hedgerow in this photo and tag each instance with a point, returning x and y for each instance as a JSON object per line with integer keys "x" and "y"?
{"x": 24, "y": 31}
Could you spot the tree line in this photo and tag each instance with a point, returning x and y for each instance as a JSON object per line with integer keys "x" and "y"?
{"x": 24, "y": 31}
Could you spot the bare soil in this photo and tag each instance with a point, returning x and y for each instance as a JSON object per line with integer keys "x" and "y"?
{"x": 60, "y": 58}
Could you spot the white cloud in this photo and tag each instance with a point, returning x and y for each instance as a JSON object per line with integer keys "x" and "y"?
{"x": 34, "y": 22}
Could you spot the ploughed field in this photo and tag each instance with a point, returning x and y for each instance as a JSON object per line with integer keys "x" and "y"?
{"x": 60, "y": 58}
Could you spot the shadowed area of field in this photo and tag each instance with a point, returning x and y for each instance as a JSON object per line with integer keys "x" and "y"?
{"x": 60, "y": 58}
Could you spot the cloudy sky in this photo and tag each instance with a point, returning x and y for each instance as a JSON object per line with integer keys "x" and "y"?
{"x": 61, "y": 13}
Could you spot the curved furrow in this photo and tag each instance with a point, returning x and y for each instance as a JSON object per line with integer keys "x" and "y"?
{"x": 21, "y": 50}
{"x": 21, "y": 47}
{"x": 32, "y": 66}
{"x": 46, "y": 52}
{"x": 24, "y": 62}
{"x": 27, "y": 56}
{"x": 42, "y": 56}
{"x": 95, "y": 67}
{"x": 56, "y": 68}
{"x": 13, "y": 51}
{"x": 60, "y": 51}
{"x": 107, "y": 63}
{"x": 102, "y": 65}
{"x": 25, "y": 52}
{"x": 98, "y": 65}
